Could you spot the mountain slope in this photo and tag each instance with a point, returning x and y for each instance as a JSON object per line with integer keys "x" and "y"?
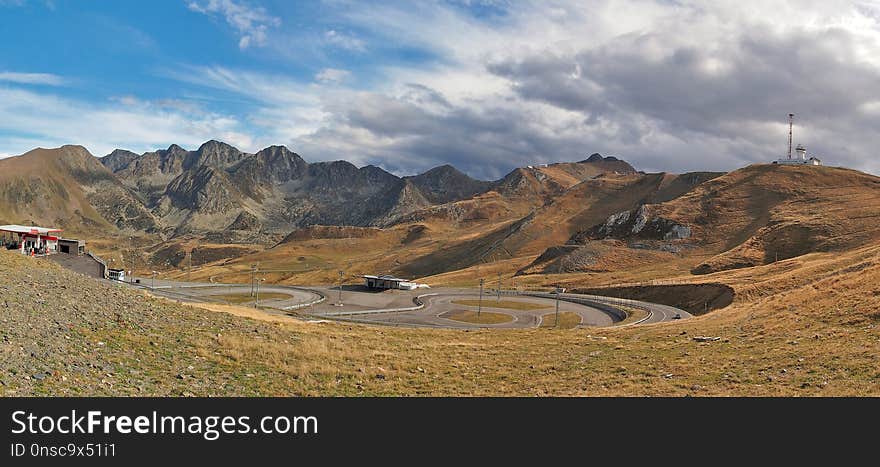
{"x": 445, "y": 184}
{"x": 68, "y": 188}
{"x": 757, "y": 215}
{"x": 207, "y": 189}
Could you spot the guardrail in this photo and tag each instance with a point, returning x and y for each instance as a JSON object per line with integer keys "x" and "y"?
{"x": 417, "y": 300}
{"x": 321, "y": 298}
{"x": 595, "y": 303}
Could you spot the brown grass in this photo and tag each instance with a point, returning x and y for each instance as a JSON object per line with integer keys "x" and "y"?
{"x": 246, "y": 297}
{"x": 804, "y": 328}
{"x": 567, "y": 320}
{"x": 471, "y": 316}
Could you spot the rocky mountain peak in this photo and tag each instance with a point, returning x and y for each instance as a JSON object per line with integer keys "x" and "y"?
{"x": 215, "y": 154}
{"x": 445, "y": 183}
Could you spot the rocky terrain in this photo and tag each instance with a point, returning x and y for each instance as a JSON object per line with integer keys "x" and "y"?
{"x": 184, "y": 208}
{"x": 62, "y": 333}
{"x": 218, "y": 187}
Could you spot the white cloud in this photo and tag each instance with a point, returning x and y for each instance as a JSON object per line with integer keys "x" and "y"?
{"x": 31, "y": 78}
{"x": 50, "y": 120}
{"x": 250, "y": 22}
{"x": 344, "y": 41}
{"x": 684, "y": 85}
{"x": 332, "y": 75}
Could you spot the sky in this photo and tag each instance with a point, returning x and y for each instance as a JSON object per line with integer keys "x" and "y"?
{"x": 668, "y": 85}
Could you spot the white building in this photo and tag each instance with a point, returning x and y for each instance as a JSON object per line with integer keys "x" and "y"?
{"x": 389, "y": 282}
{"x": 801, "y": 158}
{"x": 116, "y": 275}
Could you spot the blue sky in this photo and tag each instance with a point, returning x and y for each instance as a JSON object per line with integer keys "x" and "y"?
{"x": 484, "y": 85}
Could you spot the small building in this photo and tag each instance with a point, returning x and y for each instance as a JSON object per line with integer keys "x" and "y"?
{"x": 71, "y": 246}
{"x": 389, "y": 282}
{"x": 116, "y": 275}
{"x": 801, "y": 158}
{"x": 30, "y": 239}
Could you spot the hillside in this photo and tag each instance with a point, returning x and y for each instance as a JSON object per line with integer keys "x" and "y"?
{"x": 756, "y": 215}
{"x": 583, "y": 204}
{"x": 805, "y": 327}
{"x": 67, "y": 188}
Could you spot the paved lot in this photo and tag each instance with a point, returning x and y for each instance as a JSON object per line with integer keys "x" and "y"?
{"x": 81, "y": 264}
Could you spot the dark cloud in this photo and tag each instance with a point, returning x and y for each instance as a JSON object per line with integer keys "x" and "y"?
{"x": 742, "y": 92}
{"x": 669, "y": 97}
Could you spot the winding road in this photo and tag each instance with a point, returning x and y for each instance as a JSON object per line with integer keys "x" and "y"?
{"x": 420, "y": 308}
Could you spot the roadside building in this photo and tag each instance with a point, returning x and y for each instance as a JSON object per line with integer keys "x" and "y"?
{"x": 71, "y": 246}
{"x": 389, "y": 282}
{"x": 116, "y": 275}
{"x": 30, "y": 240}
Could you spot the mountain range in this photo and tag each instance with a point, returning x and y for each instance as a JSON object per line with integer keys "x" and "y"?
{"x": 227, "y": 208}
{"x": 218, "y": 187}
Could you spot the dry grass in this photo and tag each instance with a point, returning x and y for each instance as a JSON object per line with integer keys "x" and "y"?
{"x": 471, "y": 316}
{"x": 246, "y": 297}
{"x": 806, "y": 328}
{"x": 567, "y": 320}
{"x": 506, "y": 304}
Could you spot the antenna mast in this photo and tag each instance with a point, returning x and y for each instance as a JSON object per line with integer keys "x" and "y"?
{"x": 790, "y": 124}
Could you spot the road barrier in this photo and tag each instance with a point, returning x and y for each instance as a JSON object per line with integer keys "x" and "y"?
{"x": 591, "y": 302}
{"x": 321, "y": 298}
{"x": 419, "y": 304}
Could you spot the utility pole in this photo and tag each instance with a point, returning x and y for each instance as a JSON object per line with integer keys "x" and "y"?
{"x": 153, "y": 285}
{"x": 480, "y": 302}
{"x": 499, "y": 286}
{"x": 257, "y": 297}
{"x": 189, "y": 265}
{"x": 790, "y": 125}
{"x": 558, "y": 293}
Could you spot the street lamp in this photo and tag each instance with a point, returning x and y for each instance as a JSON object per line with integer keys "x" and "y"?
{"x": 341, "y": 275}
{"x": 253, "y": 277}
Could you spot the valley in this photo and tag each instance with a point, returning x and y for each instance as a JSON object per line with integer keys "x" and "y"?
{"x": 777, "y": 264}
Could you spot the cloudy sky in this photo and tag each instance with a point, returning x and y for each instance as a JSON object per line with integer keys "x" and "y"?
{"x": 484, "y": 85}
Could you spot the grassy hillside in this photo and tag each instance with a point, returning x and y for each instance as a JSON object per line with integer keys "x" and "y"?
{"x": 805, "y": 326}
{"x": 764, "y": 213}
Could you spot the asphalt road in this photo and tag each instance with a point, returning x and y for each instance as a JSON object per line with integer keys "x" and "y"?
{"x": 203, "y": 292}
{"x": 436, "y": 306}
{"x": 397, "y": 307}
{"x": 657, "y": 313}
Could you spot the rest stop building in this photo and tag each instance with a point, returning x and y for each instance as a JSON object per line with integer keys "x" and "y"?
{"x": 30, "y": 239}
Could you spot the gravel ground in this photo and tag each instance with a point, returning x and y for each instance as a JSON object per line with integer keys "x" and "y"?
{"x": 62, "y": 333}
